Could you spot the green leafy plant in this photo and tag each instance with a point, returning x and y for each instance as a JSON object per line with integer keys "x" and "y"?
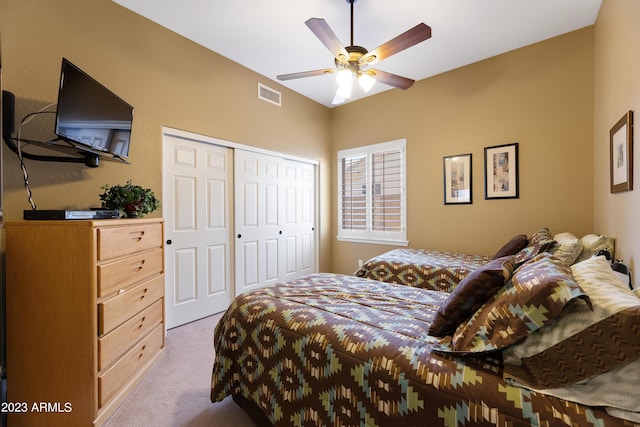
{"x": 131, "y": 199}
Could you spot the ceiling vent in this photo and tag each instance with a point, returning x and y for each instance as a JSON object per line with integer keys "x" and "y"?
{"x": 270, "y": 95}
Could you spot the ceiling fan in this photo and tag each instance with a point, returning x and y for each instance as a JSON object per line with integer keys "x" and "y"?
{"x": 352, "y": 62}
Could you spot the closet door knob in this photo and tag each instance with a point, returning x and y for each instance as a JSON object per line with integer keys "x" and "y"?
{"x": 239, "y": 236}
{"x": 169, "y": 242}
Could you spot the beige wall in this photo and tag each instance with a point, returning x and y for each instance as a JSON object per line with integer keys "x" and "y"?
{"x": 169, "y": 80}
{"x": 540, "y": 96}
{"x": 617, "y": 90}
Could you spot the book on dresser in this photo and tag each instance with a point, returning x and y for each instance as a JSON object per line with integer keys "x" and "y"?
{"x": 85, "y": 316}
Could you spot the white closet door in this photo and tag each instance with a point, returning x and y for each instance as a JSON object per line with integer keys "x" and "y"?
{"x": 257, "y": 220}
{"x": 297, "y": 222}
{"x": 197, "y": 210}
{"x": 274, "y": 219}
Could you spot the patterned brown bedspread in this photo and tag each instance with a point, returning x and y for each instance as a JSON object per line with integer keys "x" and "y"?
{"x": 422, "y": 268}
{"x": 332, "y": 350}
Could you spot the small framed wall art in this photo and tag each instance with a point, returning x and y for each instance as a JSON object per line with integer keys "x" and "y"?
{"x": 457, "y": 179}
{"x": 621, "y": 154}
{"x": 501, "y": 172}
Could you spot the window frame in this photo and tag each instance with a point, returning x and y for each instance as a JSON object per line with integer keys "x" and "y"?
{"x": 369, "y": 235}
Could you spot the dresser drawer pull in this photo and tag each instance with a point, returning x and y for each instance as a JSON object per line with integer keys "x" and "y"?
{"x": 142, "y": 351}
{"x": 137, "y": 236}
{"x": 137, "y": 266}
{"x": 141, "y": 325}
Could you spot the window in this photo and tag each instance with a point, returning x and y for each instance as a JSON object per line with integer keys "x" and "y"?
{"x": 372, "y": 193}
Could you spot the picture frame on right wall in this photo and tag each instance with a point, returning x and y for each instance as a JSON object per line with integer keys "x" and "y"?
{"x": 501, "y": 172}
{"x": 621, "y": 154}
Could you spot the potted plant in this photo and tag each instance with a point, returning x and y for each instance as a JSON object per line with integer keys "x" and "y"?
{"x": 130, "y": 199}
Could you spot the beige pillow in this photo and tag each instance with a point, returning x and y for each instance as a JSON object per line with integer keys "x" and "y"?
{"x": 592, "y": 243}
{"x": 568, "y": 247}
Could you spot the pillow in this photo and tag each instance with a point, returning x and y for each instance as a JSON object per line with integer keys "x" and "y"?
{"x": 568, "y": 248}
{"x": 535, "y": 295}
{"x": 592, "y": 243}
{"x": 539, "y": 242}
{"x": 513, "y": 246}
{"x": 581, "y": 343}
{"x": 470, "y": 294}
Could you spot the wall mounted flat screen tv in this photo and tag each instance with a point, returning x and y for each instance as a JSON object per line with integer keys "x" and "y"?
{"x": 91, "y": 117}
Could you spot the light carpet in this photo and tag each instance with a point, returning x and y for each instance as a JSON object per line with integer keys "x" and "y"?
{"x": 175, "y": 393}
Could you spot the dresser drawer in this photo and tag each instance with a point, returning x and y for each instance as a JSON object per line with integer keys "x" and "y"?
{"x": 125, "y": 369}
{"x": 119, "y": 241}
{"x": 118, "y": 341}
{"x": 118, "y": 275}
{"x": 123, "y": 306}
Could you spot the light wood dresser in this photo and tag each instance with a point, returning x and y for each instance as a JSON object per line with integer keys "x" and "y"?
{"x": 85, "y": 316}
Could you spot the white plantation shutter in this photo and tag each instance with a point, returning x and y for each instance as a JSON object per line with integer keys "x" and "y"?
{"x": 386, "y": 176}
{"x": 372, "y": 202}
{"x": 354, "y": 193}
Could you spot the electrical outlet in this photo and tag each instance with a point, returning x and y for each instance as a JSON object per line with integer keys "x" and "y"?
{"x": 360, "y": 262}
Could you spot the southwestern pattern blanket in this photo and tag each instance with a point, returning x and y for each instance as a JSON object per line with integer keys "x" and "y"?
{"x": 333, "y": 350}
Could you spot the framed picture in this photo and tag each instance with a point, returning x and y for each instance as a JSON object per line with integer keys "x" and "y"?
{"x": 457, "y": 179}
{"x": 501, "y": 172}
{"x": 621, "y": 154}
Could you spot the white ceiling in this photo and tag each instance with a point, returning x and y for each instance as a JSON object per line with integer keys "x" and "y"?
{"x": 271, "y": 38}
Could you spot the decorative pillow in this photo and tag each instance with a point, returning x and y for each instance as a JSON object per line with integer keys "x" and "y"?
{"x": 535, "y": 295}
{"x": 513, "y": 246}
{"x": 568, "y": 248}
{"x": 581, "y": 343}
{"x": 592, "y": 243}
{"x": 472, "y": 291}
{"x": 539, "y": 242}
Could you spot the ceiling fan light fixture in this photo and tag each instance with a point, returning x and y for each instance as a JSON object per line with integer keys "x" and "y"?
{"x": 366, "y": 81}
{"x": 344, "y": 77}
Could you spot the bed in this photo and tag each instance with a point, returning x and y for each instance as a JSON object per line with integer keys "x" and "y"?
{"x": 339, "y": 350}
{"x": 422, "y": 268}
{"x": 443, "y": 270}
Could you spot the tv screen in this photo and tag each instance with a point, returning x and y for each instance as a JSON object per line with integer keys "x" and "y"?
{"x": 90, "y": 116}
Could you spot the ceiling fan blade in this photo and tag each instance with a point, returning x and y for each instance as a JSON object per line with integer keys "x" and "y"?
{"x": 415, "y": 35}
{"x": 321, "y": 29}
{"x": 391, "y": 79}
{"x": 305, "y": 74}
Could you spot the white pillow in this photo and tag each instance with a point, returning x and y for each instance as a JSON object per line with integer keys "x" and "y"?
{"x": 592, "y": 243}
{"x": 568, "y": 248}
